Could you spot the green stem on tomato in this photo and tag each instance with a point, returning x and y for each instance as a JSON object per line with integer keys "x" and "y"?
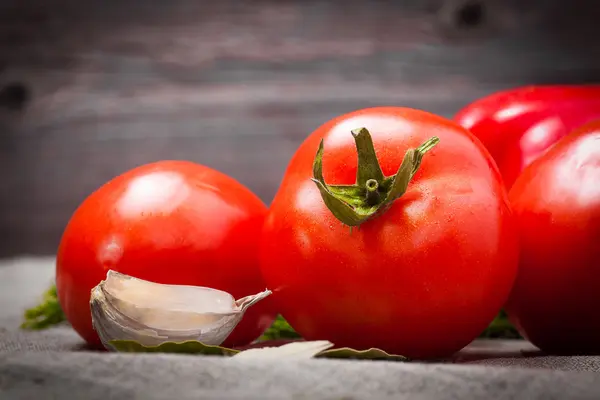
{"x": 373, "y": 196}
{"x": 373, "y": 192}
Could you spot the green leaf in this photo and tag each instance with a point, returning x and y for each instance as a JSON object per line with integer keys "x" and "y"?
{"x": 194, "y": 347}
{"x": 369, "y": 354}
{"x": 189, "y": 347}
{"x": 45, "y": 315}
{"x": 501, "y": 328}
{"x": 280, "y": 330}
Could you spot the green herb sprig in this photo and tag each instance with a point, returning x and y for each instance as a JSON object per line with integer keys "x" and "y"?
{"x": 45, "y": 315}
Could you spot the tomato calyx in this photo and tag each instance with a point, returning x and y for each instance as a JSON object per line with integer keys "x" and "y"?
{"x": 373, "y": 192}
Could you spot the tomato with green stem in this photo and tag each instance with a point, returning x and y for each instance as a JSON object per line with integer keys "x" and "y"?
{"x": 433, "y": 251}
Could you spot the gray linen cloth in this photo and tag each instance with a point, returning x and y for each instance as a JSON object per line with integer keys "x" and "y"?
{"x": 54, "y": 364}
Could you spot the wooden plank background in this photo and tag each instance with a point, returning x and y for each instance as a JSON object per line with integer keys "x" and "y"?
{"x": 89, "y": 89}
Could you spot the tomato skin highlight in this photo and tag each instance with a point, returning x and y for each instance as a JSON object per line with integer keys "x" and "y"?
{"x": 556, "y": 201}
{"x": 424, "y": 278}
{"x": 170, "y": 222}
{"x": 518, "y": 125}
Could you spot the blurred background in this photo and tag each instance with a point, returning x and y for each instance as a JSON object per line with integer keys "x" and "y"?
{"x": 90, "y": 89}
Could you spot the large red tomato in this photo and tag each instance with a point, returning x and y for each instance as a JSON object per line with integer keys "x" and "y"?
{"x": 424, "y": 274}
{"x": 172, "y": 222}
{"x": 556, "y": 201}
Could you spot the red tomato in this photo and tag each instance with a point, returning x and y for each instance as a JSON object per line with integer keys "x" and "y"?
{"x": 421, "y": 278}
{"x": 556, "y": 202}
{"x": 518, "y": 125}
{"x": 171, "y": 222}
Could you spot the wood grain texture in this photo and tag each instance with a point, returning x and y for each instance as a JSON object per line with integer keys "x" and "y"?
{"x": 89, "y": 89}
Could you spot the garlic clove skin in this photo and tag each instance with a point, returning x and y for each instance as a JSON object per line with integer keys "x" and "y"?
{"x": 292, "y": 351}
{"x": 128, "y": 308}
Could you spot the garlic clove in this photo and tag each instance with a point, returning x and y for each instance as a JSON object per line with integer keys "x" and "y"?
{"x": 128, "y": 308}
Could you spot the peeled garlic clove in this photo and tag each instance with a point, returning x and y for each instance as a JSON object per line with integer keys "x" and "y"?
{"x": 128, "y": 308}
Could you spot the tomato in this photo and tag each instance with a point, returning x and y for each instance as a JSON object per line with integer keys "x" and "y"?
{"x": 421, "y": 275}
{"x": 171, "y": 222}
{"x": 518, "y": 125}
{"x": 556, "y": 201}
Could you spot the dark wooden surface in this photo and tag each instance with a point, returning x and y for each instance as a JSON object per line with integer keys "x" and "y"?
{"x": 89, "y": 89}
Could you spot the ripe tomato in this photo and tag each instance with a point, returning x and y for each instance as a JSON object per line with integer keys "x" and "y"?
{"x": 422, "y": 276}
{"x": 556, "y": 202}
{"x": 171, "y": 222}
{"x": 518, "y": 125}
